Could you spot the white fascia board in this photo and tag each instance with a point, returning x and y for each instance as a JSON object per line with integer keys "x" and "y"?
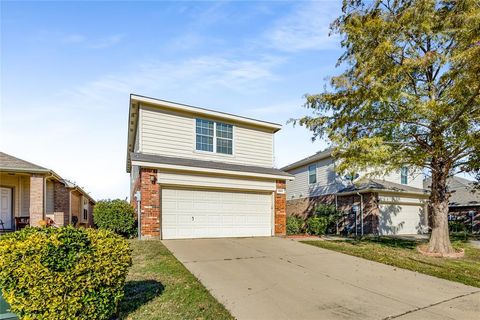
{"x": 217, "y": 114}
{"x": 389, "y": 192}
{"x": 209, "y": 170}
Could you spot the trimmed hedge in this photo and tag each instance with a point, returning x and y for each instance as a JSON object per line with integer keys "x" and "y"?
{"x": 63, "y": 273}
{"x": 116, "y": 215}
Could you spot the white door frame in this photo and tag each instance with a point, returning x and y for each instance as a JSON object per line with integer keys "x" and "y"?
{"x": 11, "y": 202}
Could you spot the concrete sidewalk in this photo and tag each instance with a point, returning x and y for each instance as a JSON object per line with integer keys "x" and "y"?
{"x": 273, "y": 278}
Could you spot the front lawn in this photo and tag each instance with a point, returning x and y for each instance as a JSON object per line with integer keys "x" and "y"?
{"x": 160, "y": 287}
{"x": 403, "y": 254}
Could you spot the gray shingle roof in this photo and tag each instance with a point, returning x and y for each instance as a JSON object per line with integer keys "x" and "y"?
{"x": 206, "y": 164}
{"x": 8, "y": 162}
{"x": 317, "y": 156}
{"x": 369, "y": 184}
{"x": 462, "y": 191}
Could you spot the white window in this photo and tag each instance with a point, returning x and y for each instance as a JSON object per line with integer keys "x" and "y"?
{"x": 212, "y": 136}
{"x": 204, "y": 130}
{"x": 404, "y": 175}
{"x": 312, "y": 173}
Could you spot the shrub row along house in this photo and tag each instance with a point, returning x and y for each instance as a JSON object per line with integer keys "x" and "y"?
{"x": 30, "y": 194}
{"x": 200, "y": 173}
{"x": 391, "y": 204}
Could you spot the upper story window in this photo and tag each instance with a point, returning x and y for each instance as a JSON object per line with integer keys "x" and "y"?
{"x": 204, "y": 131}
{"x": 312, "y": 173}
{"x": 212, "y": 136}
{"x": 224, "y": 138}
{"x": 404, "y": 175}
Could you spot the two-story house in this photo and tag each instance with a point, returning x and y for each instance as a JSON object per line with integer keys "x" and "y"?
{"x": 391, "y": 204}
{"x": 200, "y": 173}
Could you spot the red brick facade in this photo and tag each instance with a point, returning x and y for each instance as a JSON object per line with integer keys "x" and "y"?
{"x": 370, "y": 212}
{"x": 150, "y": 203}
{"x": 61, "y": 204}
{"x": 280, "y": 209}
{"x": 463, "y": 215}
{"x": 306, "y": 207}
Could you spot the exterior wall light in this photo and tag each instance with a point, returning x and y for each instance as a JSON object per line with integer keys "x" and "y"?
{"x": 153, "y": 178}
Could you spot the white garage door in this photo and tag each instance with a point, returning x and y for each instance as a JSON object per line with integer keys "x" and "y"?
{"x": 401, "y": 219}
{"x": 213, "y": 214}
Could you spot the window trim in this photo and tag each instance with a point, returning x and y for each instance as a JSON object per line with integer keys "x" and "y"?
{"x": 310, "y": 174}
{"x": 404, "y": 175}
{"x": 214, "y": 138}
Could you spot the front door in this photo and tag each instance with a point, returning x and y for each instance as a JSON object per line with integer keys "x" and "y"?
{"x": 6, "y": 208}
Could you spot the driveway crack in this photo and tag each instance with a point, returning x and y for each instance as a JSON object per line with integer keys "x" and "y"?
{"x": 429, "y": 306}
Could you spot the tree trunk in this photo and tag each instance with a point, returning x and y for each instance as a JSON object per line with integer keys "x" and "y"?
{"x": 439, "y": 198}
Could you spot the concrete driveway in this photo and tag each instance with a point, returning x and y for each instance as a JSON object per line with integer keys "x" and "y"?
{"x": 274, "y": 278}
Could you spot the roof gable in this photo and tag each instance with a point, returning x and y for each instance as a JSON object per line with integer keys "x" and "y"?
{"x": 10, "y": 163}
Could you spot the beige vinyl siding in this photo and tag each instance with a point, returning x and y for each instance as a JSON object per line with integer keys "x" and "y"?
{"x": 415, "y": 178}
{"x": 50, "y": 198}
{"x": 25, "y": 197}
{"x": 173, "y": 134}
{"x": 75, "y": 205}
{"x": 213, "y": 181}
{"x": 327, "y": 181}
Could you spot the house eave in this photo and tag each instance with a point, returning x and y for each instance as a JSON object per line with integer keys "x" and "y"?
{"x": 147, "y": 164}
{"x": 384, "y": 191}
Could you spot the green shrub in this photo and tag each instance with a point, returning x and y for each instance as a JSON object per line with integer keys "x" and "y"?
{"x": 294, "y": 225}
{"x": 116, "y": 215}
{"x": 331, "y": 214}
{"x": 63, "y": 273}
{"x": 317, "y": 225}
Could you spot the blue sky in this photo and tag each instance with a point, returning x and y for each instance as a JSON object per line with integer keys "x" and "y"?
{"x": 67, "y": 69}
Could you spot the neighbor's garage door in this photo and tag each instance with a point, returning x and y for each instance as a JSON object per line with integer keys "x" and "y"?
{"x": 211, "y": 214}
{"x": 401, "y": 219}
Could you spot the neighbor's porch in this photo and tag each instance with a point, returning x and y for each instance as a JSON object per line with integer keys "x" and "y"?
{"x": 27, "y": 199}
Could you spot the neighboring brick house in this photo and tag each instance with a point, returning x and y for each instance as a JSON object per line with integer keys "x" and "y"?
{"x": 30, "y": 193}
{"x": 393, "y": 204}
{"x": 464, "y": 203}
{"x": 202, "y": 173}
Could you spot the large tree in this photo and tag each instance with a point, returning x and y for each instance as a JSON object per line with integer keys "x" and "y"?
{"x": 409, "y": 94}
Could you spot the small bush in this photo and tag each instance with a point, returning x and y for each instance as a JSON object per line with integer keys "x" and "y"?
{"x": 317, "y": 225}
{"x": 294, "y": 225}
{"x": 331, "y": 214}
{"x": 115, "y": 215}
{"x": 63, "y": 273}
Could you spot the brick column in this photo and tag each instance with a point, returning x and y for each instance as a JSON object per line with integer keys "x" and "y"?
{"x": 150, "y": 204}
{"x": 36, "y": 199}
{"x": 280, "y": 209}
{"x": 61, "y": 204}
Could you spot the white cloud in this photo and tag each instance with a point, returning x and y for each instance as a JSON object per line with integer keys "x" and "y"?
{"x": 306, "y": 28}
{"x": 81, "y": 132}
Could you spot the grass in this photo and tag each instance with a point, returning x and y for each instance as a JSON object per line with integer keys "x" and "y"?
{"x": 403, "y": 254}
{"x": 160, "y": 287}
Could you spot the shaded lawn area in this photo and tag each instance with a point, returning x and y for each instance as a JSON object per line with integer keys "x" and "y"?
{"x": 159, "y": 287}
{"x": 403, "y": 254}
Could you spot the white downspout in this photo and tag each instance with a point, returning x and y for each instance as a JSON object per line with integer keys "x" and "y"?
{"x": 361, "y": 213}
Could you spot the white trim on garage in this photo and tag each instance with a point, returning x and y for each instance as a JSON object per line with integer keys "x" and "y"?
{"x": 199, "y": 180}
{"x": 203, "y": 213}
